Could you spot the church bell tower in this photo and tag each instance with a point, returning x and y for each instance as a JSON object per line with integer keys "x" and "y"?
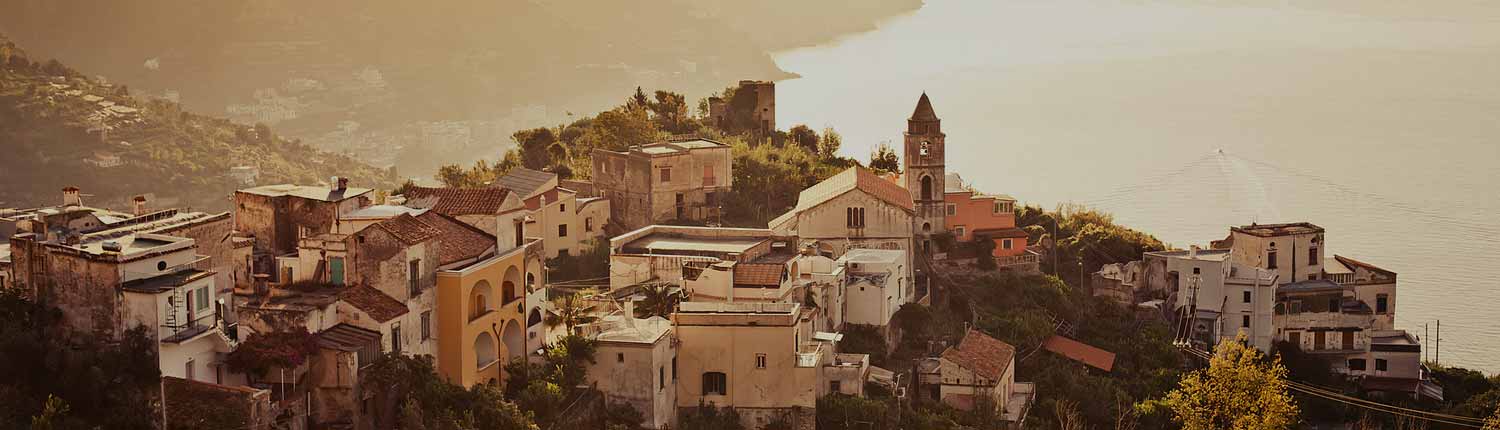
{"x": 924, "y": 174}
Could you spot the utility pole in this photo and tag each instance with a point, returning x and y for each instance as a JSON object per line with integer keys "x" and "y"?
{"x": 1437, "y": 356}
{"x": 1425, "y": 334}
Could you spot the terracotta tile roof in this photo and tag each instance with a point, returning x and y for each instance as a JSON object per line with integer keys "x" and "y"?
{"x": 1081, "y": 352}
{"x": 855, "y": 178}
{"x": 459, "y": 240}
{"x": 981, "y": 354}
{"x": 1352, "y": 262}
{"x": 408, "y": 229}
{"x": 380, "y": 306}
{"x": 758, "y": 274}
{"x": 462, "y": 201}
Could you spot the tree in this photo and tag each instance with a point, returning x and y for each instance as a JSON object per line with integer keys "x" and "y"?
{"x": 984, "y": 253}
{"x": 709, "y": 417}
{"x": 638, "y": 101}
{"x": 671, "y": 111}
{"x": 410, "y": 392}
{"x": 804, "y": 137}
{"x": 1493, "y": 422}
{"x": 660, "y": 300}
{"x": 266, "y": 351}
{"x": 572, "y": 310}
{"x": 884, "y": 159}
{"x": 1239, "y": 390}
{"x": 618, "y": 129}
{"x": 534, "y": 145}
{"x": 828, "y": 145}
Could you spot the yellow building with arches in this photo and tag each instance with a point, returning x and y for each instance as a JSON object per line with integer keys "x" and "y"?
{"x": 481, "y": 310}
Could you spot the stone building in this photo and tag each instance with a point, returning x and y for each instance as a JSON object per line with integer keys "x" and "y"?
{"x": 752, "y": 107}
{"x": 278, "y": 216}
{"x": 636, "y": 364}
{"x": 925, "y": 171}
{"x": 674, "y": 180}
{"x": 850, "y": 210}
{"x": 752, "y": 357}
{"x": 105, "y": 288}
{"x": 977, "y": 373}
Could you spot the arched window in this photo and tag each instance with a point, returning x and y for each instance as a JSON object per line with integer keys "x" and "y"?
{"x": 926, "y": 188}
{"x": 534, "y": 318}
{"x": 926, "y": 227}
{"x": 508, "y": 285}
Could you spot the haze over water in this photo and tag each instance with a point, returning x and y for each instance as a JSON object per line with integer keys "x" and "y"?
{"x": 1378, "y": 120}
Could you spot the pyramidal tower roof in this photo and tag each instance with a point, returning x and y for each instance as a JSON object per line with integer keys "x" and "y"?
{"x": 924, "y": 110}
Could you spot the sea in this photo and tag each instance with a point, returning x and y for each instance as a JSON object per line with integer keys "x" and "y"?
{"x": 1378, "y": 120}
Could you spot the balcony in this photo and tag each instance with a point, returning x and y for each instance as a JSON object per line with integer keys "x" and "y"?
{"x": 1307, "y": 320}
{"x": 188, "y": 330}
{"x": 809, "y": 354}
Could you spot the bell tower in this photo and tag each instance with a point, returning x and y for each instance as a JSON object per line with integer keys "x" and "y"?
{"x": 924, "y": 174}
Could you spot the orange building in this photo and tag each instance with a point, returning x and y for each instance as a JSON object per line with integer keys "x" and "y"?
{"x": 971, "y": 214}
{"x": 480, "y": 308}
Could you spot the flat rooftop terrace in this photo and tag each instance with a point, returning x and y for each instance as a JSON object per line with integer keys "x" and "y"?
{"x": 673, "y": 243}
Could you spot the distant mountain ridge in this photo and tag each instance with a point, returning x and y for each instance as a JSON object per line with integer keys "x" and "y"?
{"x": 60, "y": 128}
{"x": 358, "y": 76}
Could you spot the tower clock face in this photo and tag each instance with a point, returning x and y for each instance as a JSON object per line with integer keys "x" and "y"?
{"x": 923, "y": 149}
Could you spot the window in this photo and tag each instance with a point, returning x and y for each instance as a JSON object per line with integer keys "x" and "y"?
{"x": 1245, "y": 296}
{"x": 959, "y": 231}
{"x": 760, "y": 360}
{"x": 1382, "y": 303}
{"x": 1380, "y": 365}
{"x": 396, "y": 338}
{"x": 426, "y": 325}
{"x": 834, "y": 387}
{"x": 588, "y": 224}
{"x": 414, "y": 276}
{"x": 1197, "y": 270}
{"x": 923, "y": 150}
{"x": 201, "y": 297}
{"x": 161, "y": 266}
{"x": 1296, "y": 307}
{"x": 661, "y": 378}
{"x": 1271, "y": 260}
{"x": 619, "y": 357}
{"x": 926, "y": 188}
{"x": 666, "y": 175}
{"x": 715, "y": 383}
{"x": 1357, "y": 364}
{"x": 854, "y": 217}
{"x": 1333, "y": 305}
{"x": 1006, "y": 244}
{"x": 1245, "y": 321}
{"x": 562, "y": 207}
{"x": 1312, "y": 256}
{"x": 1003, "y": 207}
{"x": 952, "y": 209}
{"x": 674, "y": 368}
{"x": 562, "y": 230}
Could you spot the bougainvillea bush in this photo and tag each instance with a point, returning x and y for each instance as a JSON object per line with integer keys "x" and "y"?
{"x": 265, "y": 351}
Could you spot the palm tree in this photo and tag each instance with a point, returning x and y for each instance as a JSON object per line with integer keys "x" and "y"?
{"x": 660, "y": 300}
{"x": 572, "y": 310}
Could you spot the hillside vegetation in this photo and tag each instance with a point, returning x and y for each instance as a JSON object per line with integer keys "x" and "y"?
{"x": 59, "y": 127}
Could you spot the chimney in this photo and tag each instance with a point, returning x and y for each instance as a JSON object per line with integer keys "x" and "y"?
{"x": 138, "y": 206}
{"x": 343, "y": 183}
{"x": 1193, "y": 251}
{"x": 71, "y": 197}
{"x": 629, "y": 309}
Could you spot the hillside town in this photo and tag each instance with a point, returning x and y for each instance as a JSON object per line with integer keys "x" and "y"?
{"x": 284, "y": 308}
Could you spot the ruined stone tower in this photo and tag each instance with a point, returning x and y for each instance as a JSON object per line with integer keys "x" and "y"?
{"x": 924, "y": 171}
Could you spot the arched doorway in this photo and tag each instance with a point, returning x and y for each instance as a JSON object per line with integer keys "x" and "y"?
{"x": 514, "y": 338}
{"x": 484, "y": 350}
